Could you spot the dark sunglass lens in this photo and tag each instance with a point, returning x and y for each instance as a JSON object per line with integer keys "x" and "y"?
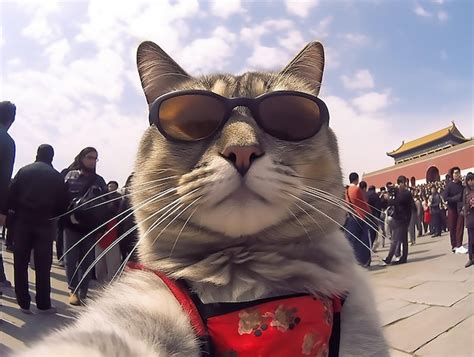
{"x": 290, "y": 117}
{"x": 191, "y": 117}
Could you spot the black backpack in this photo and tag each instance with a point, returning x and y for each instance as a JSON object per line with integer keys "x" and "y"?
{"x": 91, "y": 209}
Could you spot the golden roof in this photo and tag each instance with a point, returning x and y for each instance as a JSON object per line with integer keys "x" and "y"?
{"x": 406, "y": 146}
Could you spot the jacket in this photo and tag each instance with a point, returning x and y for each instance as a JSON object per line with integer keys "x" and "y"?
{"x": 7, "y": 159}
{"x": 38, "y": 192}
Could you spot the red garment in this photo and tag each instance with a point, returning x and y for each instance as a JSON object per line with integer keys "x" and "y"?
{"x": 111, "y": 236}
{"x": 427, "y": 216}
{"x": 355, "y": 198}
{"x": 295, "y": 326}
{"x": 298, "y": 325}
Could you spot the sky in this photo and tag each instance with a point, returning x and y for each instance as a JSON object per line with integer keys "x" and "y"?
{"x": 395, "y": 70}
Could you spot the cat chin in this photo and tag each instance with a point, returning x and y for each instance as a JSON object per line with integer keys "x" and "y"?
{"x": 236, "y": 219}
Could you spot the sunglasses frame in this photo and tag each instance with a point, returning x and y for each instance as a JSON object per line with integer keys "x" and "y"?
{"x": 230, "y": 104}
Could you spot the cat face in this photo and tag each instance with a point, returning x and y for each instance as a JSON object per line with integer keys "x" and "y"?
{"x": 198, "y": 184}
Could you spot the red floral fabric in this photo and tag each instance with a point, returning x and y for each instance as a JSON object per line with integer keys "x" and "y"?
{"x": 296, "y": 326}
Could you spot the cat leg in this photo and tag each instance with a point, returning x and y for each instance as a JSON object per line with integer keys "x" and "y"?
{"x": 136, "y": 316}
{"x": 361, "y": 332}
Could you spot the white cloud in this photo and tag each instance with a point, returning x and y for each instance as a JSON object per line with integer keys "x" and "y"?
{"x": 420, "y": 11}
{"x": 322, "y": 29}
{"x": 2, "y": 39}
{"x": 350, "y": 126}
{"x": 41, "y": 28}
{"x": 14, "y": 62}
{"x": 210, "y": 54}
{"x": 332, "y": 57}
{"x": 227, "y": 8}
{"x": 300, "y": 8}
{"x": 439, "y": 2}
{"x": 57, "y": 51}
{"x": 292, "y": 41}
{"x": 372, "y": 101}
{"x": 362, "y": 79}
{"x": 268, "y": 58}
{"x": 356, "y": 39}
{"x": 443, "y": 16}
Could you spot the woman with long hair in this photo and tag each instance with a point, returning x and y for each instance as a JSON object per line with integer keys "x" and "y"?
{"x": 78, "y": 243}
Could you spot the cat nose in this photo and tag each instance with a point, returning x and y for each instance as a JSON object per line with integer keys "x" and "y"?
{"x": 242, "y": 157}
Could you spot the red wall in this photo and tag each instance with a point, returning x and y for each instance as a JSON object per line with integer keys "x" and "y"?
{"x": 463, "y": 158}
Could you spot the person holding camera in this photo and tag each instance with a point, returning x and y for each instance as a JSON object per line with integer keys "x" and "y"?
{"x": 403, "y": 205}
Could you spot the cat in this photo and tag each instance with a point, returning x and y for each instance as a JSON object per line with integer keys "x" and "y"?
{"x": 232, "y": 237}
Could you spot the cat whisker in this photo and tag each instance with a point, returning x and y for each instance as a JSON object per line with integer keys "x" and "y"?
{"x": 108, "y": 231}
{"x": 330, "y": 218}
{"x": 301, "y": 224}
{"x": 350, "y": 205}
{"x": 311, "y": 217}
{"x": 99, "y": 197}
{"x": 106, "y": 250}
{"x": 350, "y": 210}
{"x": 181, "y": 230}
{"x": 150, "y": 199}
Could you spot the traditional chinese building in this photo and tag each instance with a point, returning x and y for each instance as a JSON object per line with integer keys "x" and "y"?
{"x": 427, "y": 158}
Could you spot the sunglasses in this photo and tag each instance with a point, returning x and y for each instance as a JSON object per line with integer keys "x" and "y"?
{"x": 194, "y": 115}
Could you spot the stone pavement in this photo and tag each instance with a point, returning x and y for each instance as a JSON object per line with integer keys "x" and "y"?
{"x": 426, "y": 306}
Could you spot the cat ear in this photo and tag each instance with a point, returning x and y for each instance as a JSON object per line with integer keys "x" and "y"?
{"x": 159, "y": 73}
{"x": 308, "y": 64}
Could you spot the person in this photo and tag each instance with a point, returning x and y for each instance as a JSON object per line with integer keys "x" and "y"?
{"x": 426, "y": 216}
{"x": 468, "y": 201}
{"x": 7, "y": 159}
{"x": 37, "y": 194}
{"x": 383, "y": 214}
{"x": 419, "y": 215}
{"x": 453, "y": 196}
{"x": 80, "y": 178}
{"x": 412, "y": 224}
{"x": 435, "y": 211}
{"x": 363, "y": 187}
{"x": 356, "y": 226}
{"x": 130, "y": 235}
{"x": 108, "y": 265}
{"x": 375, "y": 205}
{"x": 403, "y": 206}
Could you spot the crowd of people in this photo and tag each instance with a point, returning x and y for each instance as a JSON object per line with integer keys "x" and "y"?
{"x": 74, "y": 207}
{"x": 80, "y": 211}
{"x": 400, "y": 212}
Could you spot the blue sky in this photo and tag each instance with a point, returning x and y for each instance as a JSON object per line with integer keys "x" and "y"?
{"x": 395, "y": 70}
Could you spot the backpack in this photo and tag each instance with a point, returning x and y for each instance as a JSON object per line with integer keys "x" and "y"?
{"x": 91, "y": 209}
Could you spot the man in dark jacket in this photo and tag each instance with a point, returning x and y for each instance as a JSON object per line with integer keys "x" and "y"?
{"x": 403, "y": 205}
{"x": 7, "y": 158}
{"x": 453, "y": 195}
{"x": 375, "y": 205}
{"x": 37, "y": 194}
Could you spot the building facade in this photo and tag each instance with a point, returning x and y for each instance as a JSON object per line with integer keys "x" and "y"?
{"x": 428, "y": 158}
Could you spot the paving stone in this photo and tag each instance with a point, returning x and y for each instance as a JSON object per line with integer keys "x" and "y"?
{"x": 396, "y": 353}
{"x": 400, "y": 313}
{"x": 411, "y": 333}
{"x": 436, "y": 293}
{"x": 404, "y": 283}
{"x": 383, "y": 293}
{"x": 459, "y": 341}
{"x": 442, "y": 277}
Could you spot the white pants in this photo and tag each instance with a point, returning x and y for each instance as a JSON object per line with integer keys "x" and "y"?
{"x": 108, "y": 265}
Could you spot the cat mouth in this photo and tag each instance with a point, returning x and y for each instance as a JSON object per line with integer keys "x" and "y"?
{"x": 241, "y": 195}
